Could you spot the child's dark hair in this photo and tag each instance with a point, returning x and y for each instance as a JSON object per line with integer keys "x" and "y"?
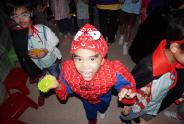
{"x": 14, "y": 4}
{"x": 174, "y": 30}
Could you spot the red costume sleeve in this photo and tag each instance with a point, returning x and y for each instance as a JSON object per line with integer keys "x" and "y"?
{"x": 61, "y": 92}
{"x": 123, "y": 70}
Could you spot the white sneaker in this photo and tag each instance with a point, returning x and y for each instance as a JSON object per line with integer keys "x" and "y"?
{"x": 125, "y": 48}
{"x": 102, "y": 115}
{"x": 120, "y": 41}
{"x": 170, "y": 114}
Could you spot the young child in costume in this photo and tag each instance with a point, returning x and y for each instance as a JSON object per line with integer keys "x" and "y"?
{"x": 91, "y": 76}
{"x": 35, "y": 44}
{"x": 158, "y": 80}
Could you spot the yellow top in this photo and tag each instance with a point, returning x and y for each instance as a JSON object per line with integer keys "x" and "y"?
{"x": 109, "y": 7}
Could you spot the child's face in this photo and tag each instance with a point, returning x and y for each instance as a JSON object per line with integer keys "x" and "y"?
{"x": 87, "y": 63}
{"x": 178, "y": 53}
{"x": 22, "y": 17}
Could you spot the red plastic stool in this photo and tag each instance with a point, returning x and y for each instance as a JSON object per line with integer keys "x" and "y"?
{"x": 16, "y": 79}
{"x": 15, "y": 105}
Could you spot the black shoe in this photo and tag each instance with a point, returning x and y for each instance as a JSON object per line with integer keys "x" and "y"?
{"x": 137, "y": 120}
{"x": 125, "y": 121}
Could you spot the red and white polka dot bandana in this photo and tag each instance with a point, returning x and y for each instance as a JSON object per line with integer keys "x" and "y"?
{"x": 88, "y": 37}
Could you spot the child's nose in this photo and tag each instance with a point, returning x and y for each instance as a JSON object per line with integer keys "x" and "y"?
{"x": 85, "y": 64}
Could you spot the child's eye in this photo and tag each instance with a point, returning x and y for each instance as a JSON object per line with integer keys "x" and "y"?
{"x": 92, "y": 59}
{"x": 25, "y": 15}
{"x": 77, "y": 59}
{"x": 14, "y": 17}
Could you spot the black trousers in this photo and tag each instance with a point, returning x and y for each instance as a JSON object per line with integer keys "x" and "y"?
{"x": 108, "y": 20}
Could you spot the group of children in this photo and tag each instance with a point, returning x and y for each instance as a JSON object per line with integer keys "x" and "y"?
{"x": 91, "y": 76}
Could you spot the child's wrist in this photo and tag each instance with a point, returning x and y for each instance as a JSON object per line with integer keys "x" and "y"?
{"x": 58, "y": 87}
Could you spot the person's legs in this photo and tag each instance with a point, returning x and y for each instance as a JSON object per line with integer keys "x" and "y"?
{"x": 103, "y": 22}
{"x": 64, "y": 25}
{"x": 123, "y": 20}
{"x": 128, "y": 32}
{"x": 121, "y": 32}
{"x": 96, "y": 17}
{"x": 59, "y": 23}
{"x": 180, "y": 110}
{"x": 82, "y": 22}
{"x": 146, "y": 117}
{"x": 55, "y": 69}
{"x": 126, "y": 39}
{"x": 112, "y": 25}
{"x": 91, "y": 112}
{"x": 79, "y": 22}
{"x": 132, "y": 21}
{"x": 132, "y": 115}
{"x": 34, "y": 74}
{"x": 92, "y": 109}
{"x": 102, "y": 106}
{"x": 125, "y": 43}
{"x": 65, "y": 28}
{"x": 68, "y": 25}
{"x": 179, "y": 115}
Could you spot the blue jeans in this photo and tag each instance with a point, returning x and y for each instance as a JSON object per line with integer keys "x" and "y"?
{"x": 54, "y": 69}
{"x": 92, "y": 109}
{"x": 133, "y": 115}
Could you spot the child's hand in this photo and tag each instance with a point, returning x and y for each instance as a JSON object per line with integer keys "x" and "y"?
{"x": 126, "y": 110}
{"x": 126, "y": 93}
{"x": 47, "y": 82}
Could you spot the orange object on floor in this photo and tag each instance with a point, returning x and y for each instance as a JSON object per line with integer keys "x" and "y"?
{"x": 16, "y": 79}
{"x": 15, "y": 105}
